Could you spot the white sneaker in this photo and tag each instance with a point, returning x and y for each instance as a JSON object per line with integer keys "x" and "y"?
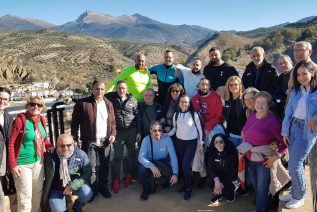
{"x": 285, "y": 198}
{"x": 294, "y": 203}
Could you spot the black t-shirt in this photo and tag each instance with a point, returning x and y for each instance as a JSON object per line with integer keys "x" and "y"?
{"x": 218, "y": 75}
{"x": 57, "y": 183}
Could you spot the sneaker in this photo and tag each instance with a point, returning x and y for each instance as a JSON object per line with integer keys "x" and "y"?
{"x": 144, "y": 196}
{"x": 231, "y": 197}
{"x": 294, "y": 203}
{"x": 285, "y": 198}
{"x": 188, "y": 194}
{"x": 105, "y": 193}
{"x": 128, "y": 180}
{"x": 116, "y": 186}
{"x": 216, "y": 199}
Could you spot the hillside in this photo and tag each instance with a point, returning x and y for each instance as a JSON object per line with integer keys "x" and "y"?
{"x": 226, "y": 42}
{"x": 70, "y": 60}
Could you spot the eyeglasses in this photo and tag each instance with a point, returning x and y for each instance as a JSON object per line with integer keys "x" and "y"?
{"x": 159, "y": 130}
{"x": 4, "y": 99}
{"x": 175, "y": 91}
{"x": 33, "y": 104}
{"x": 65, "y": 145}
{"x": 218, "y": 141}
{"x": 300, "y": 50}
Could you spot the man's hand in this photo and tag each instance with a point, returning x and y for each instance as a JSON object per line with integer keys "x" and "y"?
{"x": 111, "y": 139}
{"x": 68, "y": 191}
{"x": 138, "y": 137}
{"x": 173, "y": 180}
{"x": 286, "y": 140}
{"x": 156, "y": 173}
{"x": 16, "y": 172}
{"x": 51, "y": 149}
{"x": 270, "y": 161}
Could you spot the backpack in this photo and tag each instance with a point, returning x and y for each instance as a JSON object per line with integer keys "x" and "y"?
{"x": 192, "y": 113}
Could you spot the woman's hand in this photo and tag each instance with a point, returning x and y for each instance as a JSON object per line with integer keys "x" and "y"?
{"x": 218, "y": 187}
{"x": 270, "y": 161}
{"x": 201, "y": 149}
{"x": 16, "y": 172}
{"x": 312, "y": 124}
{"x": 286, "y": 140}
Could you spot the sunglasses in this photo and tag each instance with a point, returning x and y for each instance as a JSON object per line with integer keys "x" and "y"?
{"x": 160, "y": 130}
{"x": 65, "y": 145}
{"x": 219, "y": 142}
{"x": 32, "y": 104}
{"x": 175, "y": 91}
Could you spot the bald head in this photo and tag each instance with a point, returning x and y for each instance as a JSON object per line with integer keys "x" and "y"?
{"x": 65, "y": 145}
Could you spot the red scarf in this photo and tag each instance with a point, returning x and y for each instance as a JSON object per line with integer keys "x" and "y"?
{"x": 38, "y": 141}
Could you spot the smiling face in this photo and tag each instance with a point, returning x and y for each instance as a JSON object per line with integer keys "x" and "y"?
{"x": 35, "y": 105}
{"x": 219, "y": 143}
{"x": 257, "y": 56}
{"x": 204, "y": 86}
{"x": 196, "y": 66}
{"x": 184, "y": 103}
{"x": 65, "y": 145}
{"x": 215, "y": 56}
{"x": 149, "y": 97}
{"x": 98, "y": 90}
{"x": 175, "y": 93}
{"x": 261, "y": 105}
{"x": 156, "y": 131}
{"x": 168, "y": 58}
{"x": 304, "y": 76}
{"x": 4, "y": 100}
{"x": 122, "y": 89}
{"x": 249, "y": 100}
{"x": 301, "y": 52}
{"x": 140, "y": 62}
{"x": 234, "y": 87}
{"x": 285, "y": 65}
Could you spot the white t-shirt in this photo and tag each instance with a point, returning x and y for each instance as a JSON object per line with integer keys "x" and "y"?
{"x": 101, "y": 122}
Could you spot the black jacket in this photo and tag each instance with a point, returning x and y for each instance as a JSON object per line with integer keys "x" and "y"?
{"x": 146, "y": 118}
{"x": 263, "y": 79}
{"x": 126, "y": 112}
{"x": 4, "y": 133}
{"x": 239, "y": 113}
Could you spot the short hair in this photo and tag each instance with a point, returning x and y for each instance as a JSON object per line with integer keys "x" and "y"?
{"x": 139, "y": 55}
{"x": 6, "y": 90}
{"x": 264, "y": 94}
{"x": 286, "y": 57}
{"x": 121, "y": 81}
{"x": 227, "y": 93}
{"x": 305, "y": 43}
{"x": 249, "y": 90}
{"x": 204, "y": 79}
{"x": 155, "y": 123}
{"x": 168, "y": 51}
{"x": 96, "y": 82}
{"x": 36, "y": 99}
{"x": 149, "y": 89}
{"x": 312, "y": 68}
{"x": 257, "y": 48}
{"x": 214, "y": 49}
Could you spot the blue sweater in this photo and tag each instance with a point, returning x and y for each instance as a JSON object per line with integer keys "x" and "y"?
{"x": 162, "y": 148}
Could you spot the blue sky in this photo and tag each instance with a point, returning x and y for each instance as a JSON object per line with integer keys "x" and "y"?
{"x": 218, "y": 15}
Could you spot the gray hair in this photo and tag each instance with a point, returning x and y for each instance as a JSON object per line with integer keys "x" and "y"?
{"x": 155, "y": 123}
{"x": 304, "y": 43}
{"x": 257, "y": 48}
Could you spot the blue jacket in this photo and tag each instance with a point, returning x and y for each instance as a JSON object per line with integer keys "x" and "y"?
{"x": 311, "y": 108}
{"x": 162, "y": 149}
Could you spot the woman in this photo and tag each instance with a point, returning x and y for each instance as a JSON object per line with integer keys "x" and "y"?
{"x": 262, "y": 128}
{"x": 299, "y": 128}
{"x": 248, "y": 100}
{"x": 285, "y": 65}
{"x": 175, "y": 91}
{"x": 27, "y": 144}
{"x": 222, "y": 168}
{"x": 234, "y": 111}
{"x": 186, "y": 126}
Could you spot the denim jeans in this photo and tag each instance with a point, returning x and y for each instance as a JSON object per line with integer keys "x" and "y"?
{"x": 260, "y": 178}
{"x": 57, "y": 199}
{"x": 298, "y": 149}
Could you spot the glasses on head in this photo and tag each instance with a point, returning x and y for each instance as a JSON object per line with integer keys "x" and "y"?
{"x": 175, "y": 91}
{"x": 65, "y": 145}
{"x": 4, "y": 99}
{"x": 33, "y": 104}
{"x": 155, "y": 131}
{"x": 219, "y": 142}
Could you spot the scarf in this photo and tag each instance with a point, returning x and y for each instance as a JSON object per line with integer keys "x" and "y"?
{"x": 63, "y": 169}
{"x": 38, "y": 141}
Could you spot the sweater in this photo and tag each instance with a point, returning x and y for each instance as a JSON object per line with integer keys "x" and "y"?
{"x": 260, "y": 132}
{"x": 161, "y": 150}
{"x": 137, "y": 81}
{"x": 16, "y": 138}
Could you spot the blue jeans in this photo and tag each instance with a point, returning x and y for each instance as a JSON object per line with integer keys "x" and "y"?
{"x": 298, "y": 149}
{"x": 57, "y": 199}
{"x": 260, "y": 178}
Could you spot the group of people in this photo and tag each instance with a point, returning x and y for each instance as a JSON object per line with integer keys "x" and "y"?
{"x": 233, "y": 131}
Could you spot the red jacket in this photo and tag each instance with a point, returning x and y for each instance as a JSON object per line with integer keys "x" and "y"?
{"x": 16, "y": 138}
{"x": 209, "y": 108}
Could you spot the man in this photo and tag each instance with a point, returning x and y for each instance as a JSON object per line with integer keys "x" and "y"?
{"x": 149, "y": 111}
{"x": 67, "y": 172}
{"x": 5, "y": 125}
{"x": 259, "y": 73}
{"x": 302, "y": 51}
{"x": 165, "y": 75}
{"x": 156, "y": 148}
{"x": 138, "y": 78}
{"x": 191, "y": 76}
{"x": 94, "y": 116}
{"x": 218, "y": 71}
{"x": 128, "y": 124}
